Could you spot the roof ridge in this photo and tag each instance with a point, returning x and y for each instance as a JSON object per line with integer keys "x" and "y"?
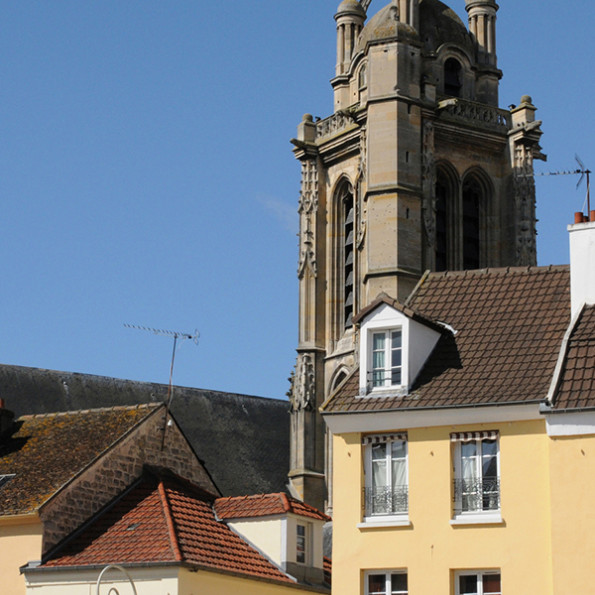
{"x": 96, "y": 410}
{"x": 169, "y": 521}
{"x": 507, "y": 270}
{"x": 286, "y": 504}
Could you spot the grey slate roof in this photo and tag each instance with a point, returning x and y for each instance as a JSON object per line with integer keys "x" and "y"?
{"x": 242, "y": 440}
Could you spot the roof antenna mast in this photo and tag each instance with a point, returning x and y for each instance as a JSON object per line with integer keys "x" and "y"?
{"x": 176, "y": 335}
{"x": 583, "y": 172}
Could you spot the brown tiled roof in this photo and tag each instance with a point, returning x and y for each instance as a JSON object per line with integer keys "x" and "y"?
{"x": 509, "y": 326}
{"x": 576, "y": 387}
{"x": 45, "y": 451}
{"x": 265, "y": 505}
{"x": 328, "y": 570}
{"x": 163, "y": 520}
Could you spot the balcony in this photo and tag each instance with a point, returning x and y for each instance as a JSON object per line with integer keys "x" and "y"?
{"x": 476, "y": 495}
{"x": 386, "y": 501}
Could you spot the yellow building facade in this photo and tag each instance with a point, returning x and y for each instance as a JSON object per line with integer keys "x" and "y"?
{"x": 464, "y": 441}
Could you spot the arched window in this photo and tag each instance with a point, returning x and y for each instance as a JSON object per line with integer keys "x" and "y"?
{"x": 362, "y": 79}
{"x": 348, "y": 257}
{"x": 344, "y": 257}
{"x": 472, "y": 198}
{"x": 452, "y": 78}
{"x": 441, "y": 226}
{"x": 446, "y": 209}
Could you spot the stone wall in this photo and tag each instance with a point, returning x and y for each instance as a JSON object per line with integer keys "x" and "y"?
{"x": 118, "y": 468}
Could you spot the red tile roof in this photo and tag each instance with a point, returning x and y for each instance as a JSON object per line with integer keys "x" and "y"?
{"x": 46, "y": 451}
{"x": 576, "y": 386}
{"x": 163, "y": 520}
{"x": 509, "y": 327}
{"x": 265, "y": 505}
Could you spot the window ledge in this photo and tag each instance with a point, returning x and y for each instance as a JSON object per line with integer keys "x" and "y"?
{"x": 399, "y": 390}
{"x": 478, "y": 519}
{"x": 385, "y": 522}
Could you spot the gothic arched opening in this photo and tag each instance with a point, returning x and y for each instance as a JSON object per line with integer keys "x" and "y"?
{"x": 453, "y": 80}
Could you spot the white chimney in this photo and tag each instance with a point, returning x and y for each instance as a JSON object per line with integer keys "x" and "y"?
{"x": 582, "y": 262}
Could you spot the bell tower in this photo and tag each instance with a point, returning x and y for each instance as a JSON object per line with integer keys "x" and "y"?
{"x": 417, "y": 168}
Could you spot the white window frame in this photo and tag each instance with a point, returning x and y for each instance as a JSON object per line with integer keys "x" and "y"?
{"x": 480, "y": 574}
{"x": 395, "y": 518}
{"x": 482, "y": 488}
{"x": 388, "y": 574}
{"x": 388, "y": 368}
{"x": 306, "y": 540}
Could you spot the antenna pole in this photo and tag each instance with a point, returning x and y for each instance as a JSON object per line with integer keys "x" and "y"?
{"x": 170, "y": 386}
{"x": 588, "y": 193}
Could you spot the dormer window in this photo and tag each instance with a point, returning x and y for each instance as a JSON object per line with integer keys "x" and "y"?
{"x": 393, "y": 347}
{"x": 386, "y": 369}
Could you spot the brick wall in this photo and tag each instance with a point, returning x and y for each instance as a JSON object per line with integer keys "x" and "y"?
{"x": 117, "y": 469}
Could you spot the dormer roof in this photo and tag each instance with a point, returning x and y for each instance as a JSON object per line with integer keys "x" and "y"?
{"x": 509, "y": 326}
{"x": 261, "y": 505}
{"x": 384, "y": 298}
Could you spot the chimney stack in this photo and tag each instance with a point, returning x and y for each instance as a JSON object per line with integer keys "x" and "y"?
{"x": 6, "y": 418}
{"x": 582, "y": 261}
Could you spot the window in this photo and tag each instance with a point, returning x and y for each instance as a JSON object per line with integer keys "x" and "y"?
{"x": 477, "y": 473}
{"x": 386, "y": 489}
{"x": 472, "y": 194}
{"x": 452, "y": 78}
{"x": 386, "y": 583}
{"x": 386, "y": 360}
{"x": 4, "y": 479}
{"x": 301, "y": 544}
{"x": 478, "y": 583}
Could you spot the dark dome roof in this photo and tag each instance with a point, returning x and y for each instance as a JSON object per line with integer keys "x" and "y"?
{"x": 384, "y": 25}
{"x": 440, "y": 24}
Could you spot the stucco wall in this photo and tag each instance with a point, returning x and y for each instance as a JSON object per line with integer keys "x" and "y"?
{"x": 20, "y": 542}
{"x": 573, "y": 513}
{"x": 431, "y": 548}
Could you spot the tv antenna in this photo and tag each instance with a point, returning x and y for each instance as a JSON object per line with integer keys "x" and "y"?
{"x": 176, "y": 335}
{"x": 583, "y": 171}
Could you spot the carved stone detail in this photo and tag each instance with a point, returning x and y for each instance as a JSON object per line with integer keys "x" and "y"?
{"x": 334, "y": 124}
{"x": 524, "y": 196}
{"x": 307, "y": 209}
{"x": 303, "y": 390}
{"x": 428, "y": 169}
{"x": 362, "y": 209}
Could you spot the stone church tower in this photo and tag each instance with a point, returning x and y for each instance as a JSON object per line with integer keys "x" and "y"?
{"x": 417, "y": 168}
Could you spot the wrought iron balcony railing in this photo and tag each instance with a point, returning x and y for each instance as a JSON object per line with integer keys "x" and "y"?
{"x": 383, "y": 501}
{"x": 476, "y": 495}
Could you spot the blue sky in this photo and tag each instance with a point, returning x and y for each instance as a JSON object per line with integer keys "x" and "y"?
{"x": 147, "y": 176}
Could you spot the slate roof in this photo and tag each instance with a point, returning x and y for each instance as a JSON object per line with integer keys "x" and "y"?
{"x": 160, "y": 520}
{"x": 242, "y": 440}
{"x": 509, "y": 326}
{"x": 46, "y": 451}
{"x": 576, "y": 385}
{"x": 265, "y": 505}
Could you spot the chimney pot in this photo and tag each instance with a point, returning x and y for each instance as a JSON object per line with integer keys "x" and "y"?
{"x": 592, "y": 216}
{"x": 579, "y": 217}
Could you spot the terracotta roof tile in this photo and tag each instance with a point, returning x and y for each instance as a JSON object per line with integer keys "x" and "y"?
{"x": 46, "y": 451}
{"x": 509, "y": 326}
{"x": 576, "y": 386}
{"x": 265, "y": 505}
{"x": 160, "y": 520}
